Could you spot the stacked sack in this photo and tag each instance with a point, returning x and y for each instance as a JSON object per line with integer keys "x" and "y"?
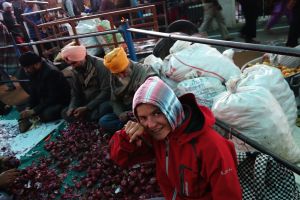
{"x": 195, "y": 68}
{"x": 260, "y": 105}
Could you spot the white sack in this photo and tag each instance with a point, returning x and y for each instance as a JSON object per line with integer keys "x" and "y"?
{"x": 198, "y": 60}
{"x": 255, "y": 113}
{"x": 157, "y": 64}
{"x": 104, "y": 25}
{"x": 204, "y": 89}
{"x": 88, "y": 26}
{"x": 272, "y": 79}
{"x": 229, "y": 53}
{"x": 179, "y": 45}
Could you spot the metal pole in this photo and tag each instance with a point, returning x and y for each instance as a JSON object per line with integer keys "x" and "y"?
{"x": 42, "y": 11}
{"x": 240, "y": 45}
{"x": 259, "y": 147}
{"x": 62, "y": 38}
{"x": 128, "y": 39}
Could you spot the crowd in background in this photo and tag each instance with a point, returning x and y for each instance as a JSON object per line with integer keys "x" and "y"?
{"x": 13, "y": 30}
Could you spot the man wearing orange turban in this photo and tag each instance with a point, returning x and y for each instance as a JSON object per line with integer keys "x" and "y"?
{"x": 90, "y": 85}
{"x": 126, "y": 77}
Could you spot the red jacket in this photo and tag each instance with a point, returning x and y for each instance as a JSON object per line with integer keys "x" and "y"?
{"x": 193, "y": 162}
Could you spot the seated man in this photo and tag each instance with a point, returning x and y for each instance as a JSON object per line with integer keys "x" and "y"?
{"x": 126, "y": 77}
{"x": 90, "y": 86}
{"x": 49, "y": 90}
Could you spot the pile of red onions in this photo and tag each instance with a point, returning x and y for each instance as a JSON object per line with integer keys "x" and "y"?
{"x": 82, "y": 149}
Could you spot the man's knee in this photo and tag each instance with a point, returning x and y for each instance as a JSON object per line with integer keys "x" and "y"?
{"x": 110, "y": 122}
{"x": 51, "y": 113}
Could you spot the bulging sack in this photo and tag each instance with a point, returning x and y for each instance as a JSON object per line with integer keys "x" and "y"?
{"x": 88, "y": 26}
{"x": 255, "y": 113}
{"x": 198, "y": 60}
{"x": 272, "y": 79}
{"x": 204, "y": 89}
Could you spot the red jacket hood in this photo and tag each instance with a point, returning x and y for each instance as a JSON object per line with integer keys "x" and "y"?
{"x": 190, "y": 103}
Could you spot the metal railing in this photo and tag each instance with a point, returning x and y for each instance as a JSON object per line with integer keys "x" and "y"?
{"x": 240, "y": 45}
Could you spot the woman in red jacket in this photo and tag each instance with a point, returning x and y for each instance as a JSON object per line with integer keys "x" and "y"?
{"x": 192, "y": 160}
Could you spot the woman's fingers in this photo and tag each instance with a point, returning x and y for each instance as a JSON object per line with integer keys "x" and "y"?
{"x": 134, "y": 130}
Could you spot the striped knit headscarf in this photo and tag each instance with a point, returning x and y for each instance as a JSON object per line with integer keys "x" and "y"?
{"x": 155, "y": 92}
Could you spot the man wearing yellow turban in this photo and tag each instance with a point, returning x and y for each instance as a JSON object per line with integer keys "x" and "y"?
{"x": 126, "y": 77}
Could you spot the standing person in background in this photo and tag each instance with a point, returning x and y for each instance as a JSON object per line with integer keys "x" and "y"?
{"x": 213, "y": 10}
{"x": 294, "y": 30}
{"x": 250, "y": 10}
{"x": 107, "y": 5}
{"x": 90, "y": 86}
{"x": 71, "y": 7}
{"x": 173, "y": 10}
{"x": 18, "y": 6}
{"x": 95, "y": 5}
{"x": 9, "y": 19}
{"x": 34, "y": 19}
{"x": 193, "y": 161}
{"x": 8, "y": 59}
{"x": 279, "y": 9}
{"x": 126, "y": 77}
{"x": 122, "y": 3}
{"x": 80, "y": 5}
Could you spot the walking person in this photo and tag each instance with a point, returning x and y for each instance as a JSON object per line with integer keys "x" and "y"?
{"x": 213, "y": 10}
{"x": 280, "y": 8}
{"x": 250, "y": 10}
{"x": 294, "y": 30}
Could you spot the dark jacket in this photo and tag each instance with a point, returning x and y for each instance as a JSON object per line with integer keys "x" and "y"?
{"x": 193, "y": 162}
{"x": 48, "y": 87}
{"x": 97, "y": 89}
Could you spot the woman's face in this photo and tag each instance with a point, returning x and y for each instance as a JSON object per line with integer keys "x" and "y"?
{"x": 153, "y": 120}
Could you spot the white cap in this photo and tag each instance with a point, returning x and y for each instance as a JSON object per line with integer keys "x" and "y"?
{"x": 6, "y": 5}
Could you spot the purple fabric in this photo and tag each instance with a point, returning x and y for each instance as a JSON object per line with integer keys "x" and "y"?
{"x": 280, "y": 8}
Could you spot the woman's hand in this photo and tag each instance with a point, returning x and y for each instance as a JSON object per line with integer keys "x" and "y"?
{"x": 135, "y": 131}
